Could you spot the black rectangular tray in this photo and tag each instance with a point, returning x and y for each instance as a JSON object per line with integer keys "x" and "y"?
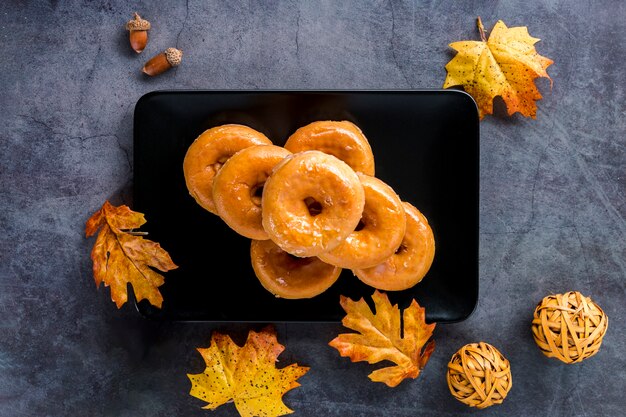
{"x": 425, "y": 144}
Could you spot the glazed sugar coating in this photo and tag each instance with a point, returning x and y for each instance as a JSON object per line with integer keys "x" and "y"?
{"x": 287, "y": 276}
{"x": 342, "y": 139}
{"x": 238, "y": 185}
{"x": 209, "y": 152}
{"x": 412, "y": 260}
{"x": 380, "y": 230}
{"x": 311, "y": 203}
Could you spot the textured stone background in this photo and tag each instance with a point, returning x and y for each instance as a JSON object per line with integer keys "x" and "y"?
{"x": 552, "y": 202}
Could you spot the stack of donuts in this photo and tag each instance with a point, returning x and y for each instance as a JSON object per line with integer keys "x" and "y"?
{"x": 311, "y": 208}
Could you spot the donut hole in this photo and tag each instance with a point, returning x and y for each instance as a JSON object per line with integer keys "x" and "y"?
{"x": 213, "y": 168}
{"x": 401, "y": 249}
{"x": 292, "y": 262}
{"x": 368, "y": 220}
{"x": 217, "y": 165}
{"x": 256, "y": 194}
{"x": 314, "y": 206}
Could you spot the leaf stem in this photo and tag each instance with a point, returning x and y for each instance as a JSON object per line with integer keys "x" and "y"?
{"x": 481, "y": 29}
{"x": 134, "y": 233}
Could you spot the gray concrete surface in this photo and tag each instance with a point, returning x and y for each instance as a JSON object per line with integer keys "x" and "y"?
{"x": 552, "y": 198}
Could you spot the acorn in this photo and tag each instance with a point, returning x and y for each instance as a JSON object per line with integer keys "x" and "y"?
{"x": 138, "y": 29}
{"x": 160, "y": 63}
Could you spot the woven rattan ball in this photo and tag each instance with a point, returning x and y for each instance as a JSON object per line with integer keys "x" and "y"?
{"x": 479, "y": 376}
{"x": 569, "y": 326}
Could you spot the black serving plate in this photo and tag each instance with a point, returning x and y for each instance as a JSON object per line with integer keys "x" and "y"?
{"x": 425, "y": 144}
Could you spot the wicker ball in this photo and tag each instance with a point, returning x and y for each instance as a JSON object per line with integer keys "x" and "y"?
{"x": 569, "y": 326}
{"x": 479, "y": 376}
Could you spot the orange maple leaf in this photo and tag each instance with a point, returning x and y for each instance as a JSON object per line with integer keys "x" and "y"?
{"x": 121, "y": 256}
{"x": 382, "y": 337}
{"x": 506, "y": 65}
{"x": 246, "y": 375}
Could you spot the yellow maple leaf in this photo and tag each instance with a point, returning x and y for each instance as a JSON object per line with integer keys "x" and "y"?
{"x": 121, "y": 256}
{"x": 506, "y": 65}
{"x": 382, "y": 337}
{"x": 246, "y": 375}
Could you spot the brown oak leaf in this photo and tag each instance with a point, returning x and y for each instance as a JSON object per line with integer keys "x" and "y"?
{"x": 121, "y": 256}
{"x": 381, "y": 337}
{"x": 246, "y": 375}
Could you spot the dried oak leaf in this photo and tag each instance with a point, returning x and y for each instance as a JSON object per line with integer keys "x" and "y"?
{"x": 382, "y": 337}
{"x": 246, "y": 375}
{"x": 506, "y": 65}
{"x": 121, "y": 256}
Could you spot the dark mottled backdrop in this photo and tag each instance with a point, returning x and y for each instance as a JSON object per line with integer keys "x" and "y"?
{"x": 552, "y": 195}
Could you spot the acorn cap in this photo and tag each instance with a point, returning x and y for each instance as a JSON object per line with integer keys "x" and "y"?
{"x": 174, "y": 56}
{"x": 137, "y": 23}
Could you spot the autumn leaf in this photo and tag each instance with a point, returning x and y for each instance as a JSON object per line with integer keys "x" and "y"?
{"x": 506, "y": 65}
{"x": 382, "y": 337}
{"x": 246, "y": 375}
{"x": 120, "y": 255}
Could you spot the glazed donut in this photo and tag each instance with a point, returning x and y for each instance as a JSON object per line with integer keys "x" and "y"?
{"x": 379, "y": 233}
{"x": 207, "y": 154}
{"x": 288, "y": 276}
{"x": 341, "y": 139}
{"x": 311, "y": 203}
{"x": 238, "y": 185}
{"x": 412, "y": 260}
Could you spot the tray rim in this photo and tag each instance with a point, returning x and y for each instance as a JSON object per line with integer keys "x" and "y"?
{"x": 168, "y": 91}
